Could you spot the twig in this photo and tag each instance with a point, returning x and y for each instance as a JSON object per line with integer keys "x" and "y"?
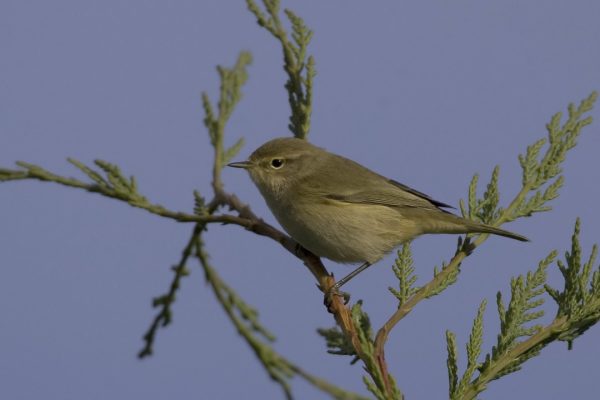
{"x": 278, "y": 368}
{"x": 543, "y": 337}
{"x": 163, "y": 318}
{"x": 536, "y": 173}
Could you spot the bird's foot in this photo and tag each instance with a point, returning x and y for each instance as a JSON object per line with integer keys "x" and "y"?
{"x": 298, "y": 250}
{"x": 329, "y": 297}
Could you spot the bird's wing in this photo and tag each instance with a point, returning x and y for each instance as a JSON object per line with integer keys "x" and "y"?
{"x": 350, "y": 182}
{"x": 387, "y": 193}
{"x": 394, "y": 197}
{"x": 419, "y": 194}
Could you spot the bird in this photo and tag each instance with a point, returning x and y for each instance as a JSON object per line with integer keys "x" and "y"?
{"x": 340, "y": 210}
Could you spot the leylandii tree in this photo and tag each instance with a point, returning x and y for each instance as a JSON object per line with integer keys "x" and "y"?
{"x": 521, "y": 335}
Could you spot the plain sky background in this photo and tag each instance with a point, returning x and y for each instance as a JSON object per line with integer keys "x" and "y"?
{"x": 426, "y": 92}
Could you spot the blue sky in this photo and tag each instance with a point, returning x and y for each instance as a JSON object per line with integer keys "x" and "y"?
{"x": 427, "y": 93}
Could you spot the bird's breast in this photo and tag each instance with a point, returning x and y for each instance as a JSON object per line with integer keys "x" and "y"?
{"x": 343, "y": 232}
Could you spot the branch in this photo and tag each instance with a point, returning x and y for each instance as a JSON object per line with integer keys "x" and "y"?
{"x": 534, "y": 344}
{"x": 164, "y": 316}
{"x": 342, "y": 314}
{"x": 578, "y": 309}
{"x": 301, "y": 73}
{"x": 115, "y": 185}
{"x": 232, "y": 80}
{"x": 279, "y": 369}
{"x": 536, "y": 173}
{"x": 110, "y": 182}
{"x": 299, "y": 68}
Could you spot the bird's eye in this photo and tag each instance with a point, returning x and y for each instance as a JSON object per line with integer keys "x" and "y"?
{"x": 277, "y": 163}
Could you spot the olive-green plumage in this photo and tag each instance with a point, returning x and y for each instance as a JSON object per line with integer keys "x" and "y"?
{"x": 340, "y": 210}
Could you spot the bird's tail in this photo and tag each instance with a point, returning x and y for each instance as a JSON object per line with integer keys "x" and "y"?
{"x": 481, "y": 228}
{"x": 450, "y": 223}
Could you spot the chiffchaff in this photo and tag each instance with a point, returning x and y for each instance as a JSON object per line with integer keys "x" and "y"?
{"x": 340, "y": 210}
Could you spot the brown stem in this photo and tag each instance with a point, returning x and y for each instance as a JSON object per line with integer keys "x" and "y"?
{"x": 406, "y": 307}
{"x": 245, "y": 218}
{"x": 251, "y": 222}
{"x": 382, "y": 365}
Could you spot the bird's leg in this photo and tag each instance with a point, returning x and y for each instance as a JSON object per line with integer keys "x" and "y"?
{"x": 335, "y": 289}
{"x": 351, "y": 275}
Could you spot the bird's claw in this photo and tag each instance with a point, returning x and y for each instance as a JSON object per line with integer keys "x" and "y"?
{"x": 329, "y": 296}
{"x": 298, "y": 250}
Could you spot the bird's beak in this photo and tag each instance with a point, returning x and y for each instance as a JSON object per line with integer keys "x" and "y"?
{"x": 240, "y": 164}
